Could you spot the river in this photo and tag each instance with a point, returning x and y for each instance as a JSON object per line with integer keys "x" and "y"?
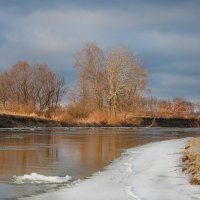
{"x": 77, "y": 152}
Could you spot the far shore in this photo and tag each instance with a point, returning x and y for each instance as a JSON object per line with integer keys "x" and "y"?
{"x": 16, "y": 121}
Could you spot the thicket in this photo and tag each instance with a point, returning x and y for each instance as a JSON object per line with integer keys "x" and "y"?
{"x": 110, "y": 86}
{"x": 30, "y": 89}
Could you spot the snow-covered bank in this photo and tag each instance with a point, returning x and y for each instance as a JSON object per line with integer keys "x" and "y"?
{"x": 150, "y": 172}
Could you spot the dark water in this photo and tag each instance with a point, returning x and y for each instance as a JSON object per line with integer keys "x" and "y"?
{"x": 76, "y": 152}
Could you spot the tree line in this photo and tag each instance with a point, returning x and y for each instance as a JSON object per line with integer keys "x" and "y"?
{"x": 177, "y": 107}
{"x": 109, "y": 84}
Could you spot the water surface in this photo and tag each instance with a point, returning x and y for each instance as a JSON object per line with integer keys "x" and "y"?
{"x": 78, "y": 152}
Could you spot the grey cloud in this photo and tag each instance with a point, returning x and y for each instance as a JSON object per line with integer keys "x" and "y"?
{"x": 164, "y": 33}
{"x": 172, "y": 85}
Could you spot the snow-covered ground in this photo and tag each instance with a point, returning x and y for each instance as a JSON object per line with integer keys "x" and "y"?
{"x": 149, "y": 172}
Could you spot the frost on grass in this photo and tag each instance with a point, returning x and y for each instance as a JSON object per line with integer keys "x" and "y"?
{"x": 150, "y": 172}
{"x": 35, "y": 178}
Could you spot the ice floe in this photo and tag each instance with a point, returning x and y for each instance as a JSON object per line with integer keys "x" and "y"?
{"x": 35, "y": 178}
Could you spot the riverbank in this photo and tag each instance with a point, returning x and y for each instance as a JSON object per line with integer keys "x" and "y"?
{"x": 149, "y": 172}
{"x": 11, "y": 121}
{"x": 191, "y": 158}
{"x": 17, "y": 121}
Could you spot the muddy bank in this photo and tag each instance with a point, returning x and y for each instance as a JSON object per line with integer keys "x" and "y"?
{"x": 146, "y": 122}
{"x": 172, "y": 122}
{"x": 191, "y": 159}
{"x": 11, "y": 121}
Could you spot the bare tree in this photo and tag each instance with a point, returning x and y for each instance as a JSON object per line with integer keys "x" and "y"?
{"x": 90, "y": 64}
{"x": 125, "y": 79}
{"x": 182, "y": 107}
{"x": 5, "y": 89}
{"x": 49, "y": 88}
{"x": 22, "y": 85}
{"x": 112, "y": 80}
{"x": 165, "y": 108}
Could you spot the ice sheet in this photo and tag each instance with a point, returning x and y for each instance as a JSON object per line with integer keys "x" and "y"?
{"x": 150, "y": 172}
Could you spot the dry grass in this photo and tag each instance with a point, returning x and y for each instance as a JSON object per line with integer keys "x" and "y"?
{"x": 104, "y": 117}
{"x": 22, "y": 114}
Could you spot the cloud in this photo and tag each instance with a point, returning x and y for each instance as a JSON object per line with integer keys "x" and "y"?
{"x": 165, "y": 33}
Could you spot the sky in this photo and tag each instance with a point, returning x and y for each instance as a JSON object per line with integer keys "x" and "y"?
{"x": 165, "y": 34}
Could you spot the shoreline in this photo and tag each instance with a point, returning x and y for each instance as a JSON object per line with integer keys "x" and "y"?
{"x": 16, "y": 121}
{"x": 150, "y": 172}
{"x": 191, "y": 160}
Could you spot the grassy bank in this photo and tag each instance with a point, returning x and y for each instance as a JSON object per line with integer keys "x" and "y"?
{"x": 191, "y": 159}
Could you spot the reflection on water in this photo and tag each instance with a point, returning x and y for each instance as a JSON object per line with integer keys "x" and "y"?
{"x": 75, "y": 152}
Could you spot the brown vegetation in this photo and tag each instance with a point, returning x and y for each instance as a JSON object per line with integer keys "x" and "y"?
{"x": 109, "y": 82}
{"x": 191, "y": 159}
{"x": 110, "y": 88}
{"x": 27, "y": 89}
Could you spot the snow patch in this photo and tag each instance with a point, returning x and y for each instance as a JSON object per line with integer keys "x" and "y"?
{"x": 35, "y": 178}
